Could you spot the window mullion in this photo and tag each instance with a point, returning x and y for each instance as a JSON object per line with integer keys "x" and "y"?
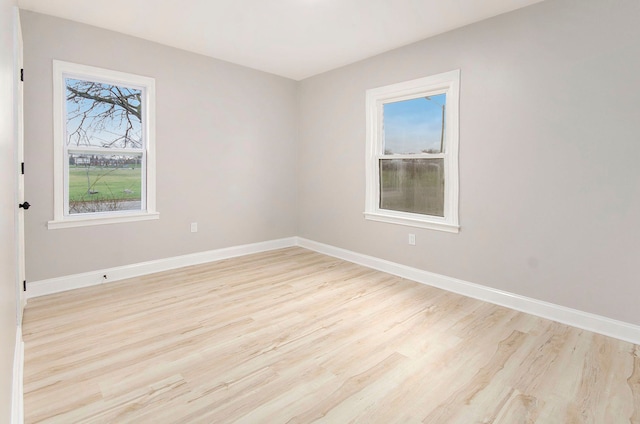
{"x": 420, "y": 156}
{"x": 105, "y": 150}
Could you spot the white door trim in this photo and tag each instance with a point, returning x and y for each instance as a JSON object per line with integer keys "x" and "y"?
{"x": 18, "y": 102}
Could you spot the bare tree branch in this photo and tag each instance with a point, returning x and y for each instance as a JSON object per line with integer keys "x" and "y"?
{"x": 103, "y": 114}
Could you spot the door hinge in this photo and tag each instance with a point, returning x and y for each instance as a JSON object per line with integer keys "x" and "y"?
{"x": 24, "y": 285}
{"x": 22, "y": 168}
{"x": 21, "y": 74}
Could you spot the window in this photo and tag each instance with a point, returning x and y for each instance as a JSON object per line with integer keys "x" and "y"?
{"x": 412, "y": 152}
{"x": 104, "y": 128}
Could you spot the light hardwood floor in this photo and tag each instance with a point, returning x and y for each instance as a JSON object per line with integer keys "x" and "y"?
{"x": 293, "y": 336}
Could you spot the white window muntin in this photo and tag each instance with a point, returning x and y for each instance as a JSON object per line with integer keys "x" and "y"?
{"x": 62, "y": 219}
{"x": 142, "y": 151}
{"x": 445, "y": 83}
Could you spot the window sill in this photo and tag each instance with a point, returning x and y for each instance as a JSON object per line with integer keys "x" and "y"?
{"x": 413, "y": 222}
{"x": 85, "y": 221}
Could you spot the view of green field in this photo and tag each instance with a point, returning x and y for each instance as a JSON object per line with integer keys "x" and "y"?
{"x": 122, "y": 183}
{"x": 412, "y": 185}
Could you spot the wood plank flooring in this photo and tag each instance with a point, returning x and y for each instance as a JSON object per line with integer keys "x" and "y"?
{"x": 293, "y": 336}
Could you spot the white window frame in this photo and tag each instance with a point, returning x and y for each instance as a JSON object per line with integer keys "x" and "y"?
{"x": 62, "y": 219}
{"x": 447, "y": 82}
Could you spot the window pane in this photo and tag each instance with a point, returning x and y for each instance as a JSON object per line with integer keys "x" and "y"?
{"x": 103, "y": 115}
{"x": 414, "y": 126}
{"x": 412, "y": 185}
{"x": 102, "y": 182}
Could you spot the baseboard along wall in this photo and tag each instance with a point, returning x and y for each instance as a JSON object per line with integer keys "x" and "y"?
{"x": 591, "y": 322}
{"x": 573, "y": 317}
{"x": 109, "y": 275}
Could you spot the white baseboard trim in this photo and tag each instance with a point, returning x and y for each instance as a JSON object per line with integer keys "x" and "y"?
{"x": 573, "y": 317}
{"x": 60, "y": 284}
{"x": 17, "y": 407}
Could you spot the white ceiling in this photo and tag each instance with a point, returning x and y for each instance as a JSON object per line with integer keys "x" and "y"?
{"x": 292, "y": 38}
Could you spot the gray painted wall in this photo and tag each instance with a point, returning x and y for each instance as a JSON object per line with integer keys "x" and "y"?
{"x": 550, "y": 100}
{"x": 225, "y": 152}
{"x": 8, "y": 263}
{"x": 549, "y": 148}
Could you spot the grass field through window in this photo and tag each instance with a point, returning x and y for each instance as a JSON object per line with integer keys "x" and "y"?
{"x": 94, "y": 189}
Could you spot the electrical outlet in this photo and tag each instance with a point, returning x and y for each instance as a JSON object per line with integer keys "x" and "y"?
{"x": 412, "y": 239}
{"x": 194, "y": 227}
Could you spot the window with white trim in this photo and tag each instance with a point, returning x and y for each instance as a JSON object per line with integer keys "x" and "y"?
{"x": 104, "y": 129}
{"x": 412, "y": 152}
